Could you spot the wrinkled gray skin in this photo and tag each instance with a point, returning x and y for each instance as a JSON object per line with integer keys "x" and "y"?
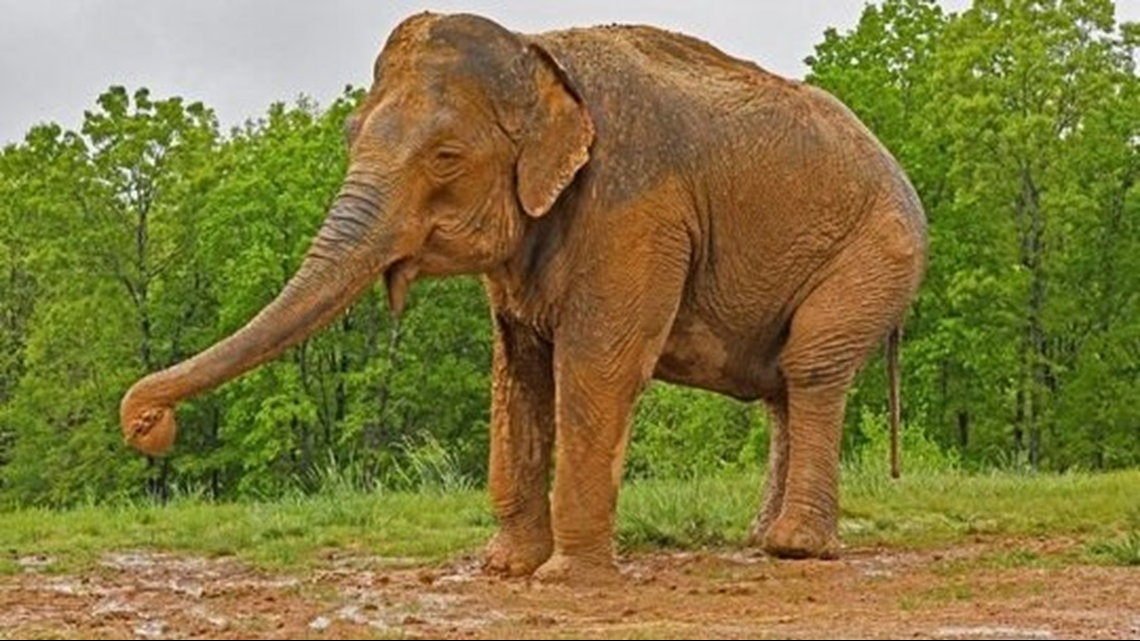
{"x": 640, "y": 205}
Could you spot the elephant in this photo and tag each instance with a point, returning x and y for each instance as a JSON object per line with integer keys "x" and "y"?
{"x": 639, "y": 206}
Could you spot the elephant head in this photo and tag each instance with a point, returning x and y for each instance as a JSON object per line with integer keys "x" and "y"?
{"x": 469, "y": 133}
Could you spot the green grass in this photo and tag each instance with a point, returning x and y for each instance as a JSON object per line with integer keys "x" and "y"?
{"x": 1120, "y": 550}
{"x": 934, "y": 510}
{"x": 1103, "y": 511}
{"x": 915, "y": 511}
{"x": 687, "y": 514}
{"x": 286, "y": 534}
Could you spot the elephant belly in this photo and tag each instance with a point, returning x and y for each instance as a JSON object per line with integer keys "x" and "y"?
{"x": 696, "y": 355}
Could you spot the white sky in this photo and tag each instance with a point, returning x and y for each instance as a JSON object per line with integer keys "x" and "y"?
{"x": 238, "y": 56}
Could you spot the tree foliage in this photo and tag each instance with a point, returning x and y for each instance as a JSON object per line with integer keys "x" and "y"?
{"x": 1019, "y": 128}
{"x": 148, "y": 234}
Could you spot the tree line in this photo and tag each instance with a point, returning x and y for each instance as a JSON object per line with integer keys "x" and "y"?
{"x": 148, "y": 233}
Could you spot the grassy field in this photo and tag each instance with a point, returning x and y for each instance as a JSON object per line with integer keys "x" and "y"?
{"x": 1101, "y": 511}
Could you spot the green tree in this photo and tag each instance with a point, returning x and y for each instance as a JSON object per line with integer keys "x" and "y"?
{"x": 1027, "y": 82}
{"x": 1016, "y": 121}
{"x": 107, "y": 212}
{"x": 881, "y": 69}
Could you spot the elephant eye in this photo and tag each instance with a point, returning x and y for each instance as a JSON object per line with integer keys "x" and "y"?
{"x": 447, "y": 162}
{"x": 447, "y": 154}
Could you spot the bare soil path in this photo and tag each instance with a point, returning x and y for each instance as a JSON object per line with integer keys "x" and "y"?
{"x": 996, "y": 589}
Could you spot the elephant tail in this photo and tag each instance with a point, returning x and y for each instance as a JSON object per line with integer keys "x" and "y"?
{"x": 893, "y": 380}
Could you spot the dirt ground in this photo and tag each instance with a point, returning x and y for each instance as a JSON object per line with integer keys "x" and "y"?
{"x": 988, "y": 590}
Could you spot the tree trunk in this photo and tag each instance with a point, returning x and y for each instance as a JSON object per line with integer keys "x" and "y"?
{"x": 963, "y": 428}
{"x": 343, "y": 365}
{"x": 215, "y": 442}
{"x": 143, "y": 286}
{"x": 1019, "y": 423}
{"x": 1036, "y": 357}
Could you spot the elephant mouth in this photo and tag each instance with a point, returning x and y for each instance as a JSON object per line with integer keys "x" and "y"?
{"x": 397, "y": 278}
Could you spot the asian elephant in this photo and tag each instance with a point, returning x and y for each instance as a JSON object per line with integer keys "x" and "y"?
{"x": 639, "y": 205}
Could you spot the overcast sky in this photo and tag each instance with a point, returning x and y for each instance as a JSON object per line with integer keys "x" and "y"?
{"x": 238, "y": 56}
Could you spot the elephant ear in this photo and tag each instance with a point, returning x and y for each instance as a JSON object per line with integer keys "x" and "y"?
{"x": 556, "y": 141}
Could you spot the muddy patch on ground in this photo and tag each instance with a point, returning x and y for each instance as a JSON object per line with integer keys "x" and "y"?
{"x": 997, "y": 590}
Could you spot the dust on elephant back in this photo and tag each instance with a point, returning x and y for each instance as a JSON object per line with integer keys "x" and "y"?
{"x": 639, "y": 205}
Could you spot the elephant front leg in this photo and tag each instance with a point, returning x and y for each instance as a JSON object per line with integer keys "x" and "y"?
{"x": 522, "y": 434}
{"x": 605, "y": 350}
{"x": 592, "y": 431}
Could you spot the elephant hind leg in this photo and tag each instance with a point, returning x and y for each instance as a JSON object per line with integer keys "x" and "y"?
{"x": 772, "y": 494}
{"x": 806, "y": 524}
{"x": 832, "y": 333}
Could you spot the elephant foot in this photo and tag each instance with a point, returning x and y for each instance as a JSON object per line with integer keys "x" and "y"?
{"x": 578, "y": 571}
{"x": 758, "y": 534}
{"x": 797, "y": 537}
{"x": 517, "y": 554}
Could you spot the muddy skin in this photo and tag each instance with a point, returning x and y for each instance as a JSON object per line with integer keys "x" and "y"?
{"x": 639, "y": 205}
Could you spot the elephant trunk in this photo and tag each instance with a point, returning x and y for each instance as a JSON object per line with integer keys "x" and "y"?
{"x": 340, "y": 265}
